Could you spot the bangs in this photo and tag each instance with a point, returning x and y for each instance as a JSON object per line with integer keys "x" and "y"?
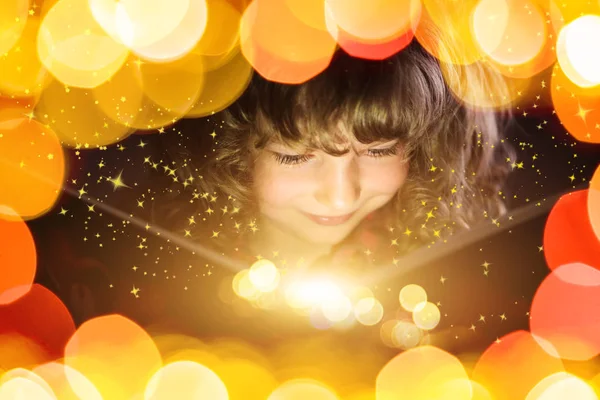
{"x": 371, "y": 101}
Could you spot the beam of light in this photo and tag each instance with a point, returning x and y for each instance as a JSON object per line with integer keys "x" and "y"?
{"x": 197, "y": 249}
{"x": 426, "y": 256}
{"x": 418, "y": 258}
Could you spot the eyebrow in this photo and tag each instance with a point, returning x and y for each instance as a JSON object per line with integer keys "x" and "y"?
{"x": 375, "y": 144}
{"x": 332, "y": 152}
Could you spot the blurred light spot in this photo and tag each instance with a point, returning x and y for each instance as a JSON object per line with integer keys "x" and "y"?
{"x": 21, "y": 71}
{"x": 386, "y": 333}
{"x": 423, "y": 373}
{"x": 593, "y": 202}
{"x": 377, "y": 19}
{"x": 578, "y": 54}
{"x": 480, "y": 392}
{"x": 445, "y": 31}
{"x": 76, "y": 117}
{"x": 568, "y": 234}
{"x": 153, "y": 29}
{"x": 318, "y": 319}
{"x": 306, "y": 294}
{"x": 54, "y": 373}
{"x": 79, "y": 53}
{"x": 115, "y": 354}
{"x": 511, "y": 32}
{"x": 563, "y": 13}
{"x": 138, "y": 23}
{"x": 245, "y": 380}
{"x": 368, "y": 50}
{"x": 411, "y": 296}
{"x": 281, "y": 47}
{"x": 511, "y": 367}
{"x": 222, "y": 86}
{"x": 185, "y": 379}
{"x": 577, "y": 108}
{"x": 32, "y": 168}
{"x": 19, "y": 351}
{"x": 264, "y": 275}
{"x": 243, "y": 287}
{"x": 182, "y": 40}
{"x": 309, "y": 12}
{"x": 145, "y": 95}
{"x": 22, "y": 388}
{"x": 28, "y": 316}
{"x": 19, "y": 260}
{"x": 337, "y": 309}
{"x": 302, "y": 389}
{"x": 368, "y": 311}
{"x": 564, "y": 311}
{"x": 426, "y": 315}
{"x": 406, "y": 335}
{"x": 561, "y": 386}
{"x": 21, "y": 373}
{"x": 13, "y": 17}
{"x": 222, "y": 30}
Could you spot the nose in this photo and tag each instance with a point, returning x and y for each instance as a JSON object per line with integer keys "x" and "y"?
{"x": 339, "y": 183}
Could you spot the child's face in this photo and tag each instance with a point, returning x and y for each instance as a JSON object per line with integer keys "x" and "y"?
{"x": 321, "y": 198}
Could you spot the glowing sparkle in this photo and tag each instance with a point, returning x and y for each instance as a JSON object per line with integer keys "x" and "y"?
{"x": 118, "y": 182}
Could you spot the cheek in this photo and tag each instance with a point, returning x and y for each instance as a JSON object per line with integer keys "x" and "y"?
{"x": 274, "y": 187}
{"x": 385, "y": 179}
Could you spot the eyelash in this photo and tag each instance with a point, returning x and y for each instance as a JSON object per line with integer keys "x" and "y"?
{"x": 299, "y": 159}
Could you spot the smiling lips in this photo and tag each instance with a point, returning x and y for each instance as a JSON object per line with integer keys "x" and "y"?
{"x": 329, "y": 221}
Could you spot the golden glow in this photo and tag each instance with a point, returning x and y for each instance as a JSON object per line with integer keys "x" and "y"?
{"x": 21, "y": 71}
{"x": 264, "y": 275}
{"x": 302, "y": 389}
{"x": 511, "y": 32}
{"x": 423, "y": 373}
{"x": 119, "y": 368}
{"x": 411, "y": 296}
{"x": 579, "y": 54}
{"x": 185, "y": 378}
{"x": 19, "y": 260}
{"x": 406, "y": 335}
{"x": 337, "y": 309}
{"x": 243, "y": 286}
{"x": 282, "y": 48}
{"x": 153, "y": 29}
{"x": 426, "y": 315}
{"x": 222, "y": 86}
{"x": 23, "y": 388}
{"x": 368, "y": 311}
{"x": 79, "y": 53}
{"x": 13, "y": 17}
{"x": 55, "y": 374}
{"x": 32, "y": 167}
{"x": 561, "y": 386}
{"x": 593, "y": 202}
{"x": 376, "y": 19}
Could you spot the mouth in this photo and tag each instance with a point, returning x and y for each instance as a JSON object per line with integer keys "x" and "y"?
{"x": 329, "y": 220}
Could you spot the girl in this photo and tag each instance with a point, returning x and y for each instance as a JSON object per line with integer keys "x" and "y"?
{"x": 364, "y": 150}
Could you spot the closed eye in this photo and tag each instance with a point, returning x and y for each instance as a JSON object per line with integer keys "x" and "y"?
{"x": 290, "y": 159}
{"x": 295, "y": 159}
{"x": 390, "y": 151}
